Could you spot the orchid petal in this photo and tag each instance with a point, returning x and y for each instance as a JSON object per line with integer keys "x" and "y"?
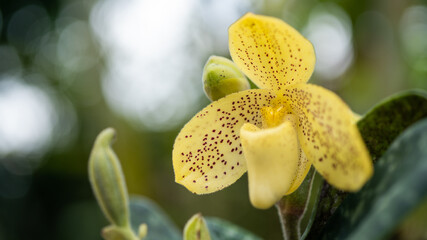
{"x": 329, "y": 136}
{"x": 207, "y": 154}
{"x": 304, "y": 165}
{"x": 270, "y": 52}
{"x": 272, "y": 161}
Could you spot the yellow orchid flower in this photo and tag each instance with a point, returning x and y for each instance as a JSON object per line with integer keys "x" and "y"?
{"x": 276, "y": 132}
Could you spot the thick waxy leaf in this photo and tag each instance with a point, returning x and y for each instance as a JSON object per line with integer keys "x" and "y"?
{"x": 381, "y": 125}
{"x": 270, "y": 52}
{"x": 397, "y": 187}
{"x": 159, "y": 225}
{"x": 207, "y": 154}
{"x": 223, "y": 230}
{"x": 329, "y": 136}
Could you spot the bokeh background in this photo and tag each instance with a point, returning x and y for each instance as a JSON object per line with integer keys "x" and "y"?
{"x": 70, "y": 68}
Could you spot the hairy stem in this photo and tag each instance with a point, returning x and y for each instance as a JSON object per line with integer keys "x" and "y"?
{"x": 294, "y": 207}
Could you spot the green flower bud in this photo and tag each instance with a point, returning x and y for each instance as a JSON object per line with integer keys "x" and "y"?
{"x": 222, "y": 77}
{"x": 196, "y": 229}
{"x": 108, "y": 183}
{"x": 142, "y": 231}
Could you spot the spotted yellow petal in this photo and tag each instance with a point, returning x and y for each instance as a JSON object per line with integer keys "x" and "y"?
{"x": 303, "y": 167}
{"x": 329, "y": 136}
{"x": 207, "y": 154}
{"x": 270, "y": 52}
{"x": 272, "y": 161}
{"x": 304, "y": 163}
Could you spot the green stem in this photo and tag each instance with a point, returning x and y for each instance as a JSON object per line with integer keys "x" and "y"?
{"x": 290, "y": 222}
{"x": 294, "y": 207}
{"x": 114, "y": 232}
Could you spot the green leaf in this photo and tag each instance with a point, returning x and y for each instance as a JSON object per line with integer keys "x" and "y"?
{"x": 143, "y": 210}
{"x": 160, "y": 226}
{"x": 383, "y": 123}
{"x": 223, "y": 230}
{"x": 397, "y": 187}
{"x": 379, "y": 127}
